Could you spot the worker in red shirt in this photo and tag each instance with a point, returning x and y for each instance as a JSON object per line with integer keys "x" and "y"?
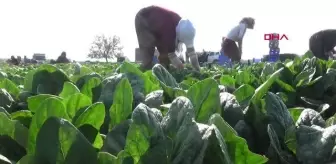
{"x": 164, "y": 29}
{"x": 322, "y": 44}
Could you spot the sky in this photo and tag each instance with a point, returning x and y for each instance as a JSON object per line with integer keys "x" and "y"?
{"x": 53, "y": 26}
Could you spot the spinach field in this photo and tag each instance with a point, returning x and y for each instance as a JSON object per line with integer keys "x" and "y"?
{"x": 276, "y": 113}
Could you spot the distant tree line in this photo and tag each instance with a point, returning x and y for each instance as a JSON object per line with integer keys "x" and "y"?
{"x": 103, "y": 47}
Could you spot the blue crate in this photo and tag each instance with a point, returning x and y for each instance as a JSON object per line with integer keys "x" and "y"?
{"x": 274, "y": 51}
{"x": 274, "y": 55}
{"x": 223, "y": 60}
{"x": 273, "y": 58}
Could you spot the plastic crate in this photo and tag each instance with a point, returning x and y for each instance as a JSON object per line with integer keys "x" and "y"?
{"x": 274, "y": 43}
{"x": 274, "y": 51}
{"x": 274, "y": 54}
{"x": 223, "y": 60}
{"x": 273, "y": 58}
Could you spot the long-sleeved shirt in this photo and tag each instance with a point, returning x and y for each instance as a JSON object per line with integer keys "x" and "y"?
{"x": 162, "y": 22}
{"x": 237, "y": 33}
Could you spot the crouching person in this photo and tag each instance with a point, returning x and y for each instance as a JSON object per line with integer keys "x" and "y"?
{"x": 164, "y": 29}
{"x": 229, "y": 46}
{"x": 322, "y": 44}
{"x": 62, "y": 58}
{"x": 13, "y": 61}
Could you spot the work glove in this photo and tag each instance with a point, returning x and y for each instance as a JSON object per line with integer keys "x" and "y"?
{"x": 175, "y": 61}
{"x": 194, "y": 61}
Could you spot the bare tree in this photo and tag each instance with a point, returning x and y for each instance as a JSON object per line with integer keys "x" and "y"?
{"x": 106, "y": 47}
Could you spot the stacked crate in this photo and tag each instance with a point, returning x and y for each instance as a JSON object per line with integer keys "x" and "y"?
{"x": 274, "y": 49}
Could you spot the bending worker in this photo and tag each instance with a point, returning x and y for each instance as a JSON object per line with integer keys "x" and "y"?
{"x": 164, "y": 29}
{"x": 322, "y": 44}
{"x": 62, "y": 58}
{"x": 229, "y": 46}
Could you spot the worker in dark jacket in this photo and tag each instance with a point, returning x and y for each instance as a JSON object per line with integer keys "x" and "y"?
{"x": 322, "y": 44}
{"x": 62, "y": 58}
{"x": 164, "y": 29}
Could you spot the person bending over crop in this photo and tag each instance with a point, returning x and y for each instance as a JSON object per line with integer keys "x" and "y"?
{"x": 322, "y": 44}
{"x": 158, "y": 27}
{"x": 13, "y": 61}
{"x": 229, "y": 46}
{"x": 62, "y": 58}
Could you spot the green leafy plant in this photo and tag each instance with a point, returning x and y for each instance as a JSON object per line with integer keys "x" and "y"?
{"x": 280, "y": 112}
